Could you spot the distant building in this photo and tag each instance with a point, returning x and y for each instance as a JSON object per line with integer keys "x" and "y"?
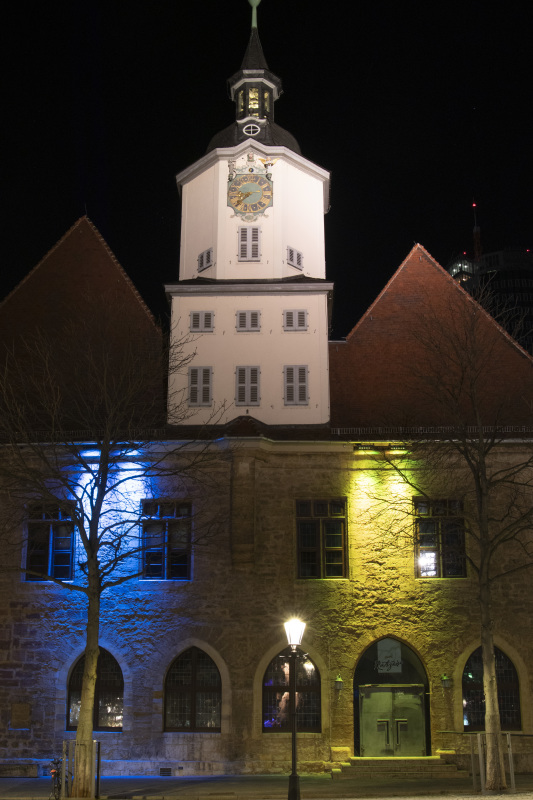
{"x": 507, "y": 280}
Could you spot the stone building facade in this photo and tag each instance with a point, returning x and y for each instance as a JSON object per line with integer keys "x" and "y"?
{"x": 323, "y": 509}
{"x": 244, "y": 586}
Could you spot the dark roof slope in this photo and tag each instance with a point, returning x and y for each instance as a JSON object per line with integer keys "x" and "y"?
{"x": 421, "y": 353}
{"x": 77, "y": 269}
{"x": 77, "y": 328}
{"x": 270, "y": 134}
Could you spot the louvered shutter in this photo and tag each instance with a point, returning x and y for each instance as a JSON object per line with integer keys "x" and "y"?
{"x": 206, "y": 385}
{"x": 193, "y": 386}
{"x": 254, "y": 385}
{"x": 296, "y": 385}
{"x": 200, "y": 386}
{"x": 302, "y": 385}
{"x": 289, "y": 319}
{"x": 195, "y": 320}
{"x": 254, "y": 244}
{"x": 302, "y": 319}
{"x": 249, "y": 243}
{"x": 247, "y": 386}
{"x": 241, "y": 385}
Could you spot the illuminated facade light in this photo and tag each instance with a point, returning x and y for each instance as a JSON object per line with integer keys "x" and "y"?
{"x": 294, "y": 629}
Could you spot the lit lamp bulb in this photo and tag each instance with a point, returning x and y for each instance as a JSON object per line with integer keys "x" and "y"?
{"x": 294, "y": 629}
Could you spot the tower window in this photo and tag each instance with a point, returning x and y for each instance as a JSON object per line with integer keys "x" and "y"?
{"x": 202, "y": 321}
{"x": 276, "y": 697}
{"x": 50, "y": 549}
{"x": 205, "y": 259}
{"x": 295, "y": 384}
{"x": 474, "y": 695}
{"x": 248, "y": 320}
{"x": 295, "y": 258}
{"x": 440, "y": 539}
{"x": 253, "y": 101}
{"x": 108, "y": 694}
{"x": 321, "y": 528}
{"x": 193, "y": 697}
{"x": 295, "y": 320}
{"x": 249, "y": 243}
{"x": 252, "y": 129}
{"x": 247, "y": 386}
{"x": 200, "y": 386}
{"x": 166, "y": 540}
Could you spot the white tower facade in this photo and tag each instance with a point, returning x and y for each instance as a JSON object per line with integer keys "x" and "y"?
{"x": 251, "y": 307}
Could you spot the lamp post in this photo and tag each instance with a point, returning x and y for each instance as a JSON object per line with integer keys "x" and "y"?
{"x": 294, "y": 629}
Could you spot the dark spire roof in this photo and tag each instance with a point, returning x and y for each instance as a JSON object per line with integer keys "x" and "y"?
{"x": 254, "y": 57}
{"x": 254, "y": 89}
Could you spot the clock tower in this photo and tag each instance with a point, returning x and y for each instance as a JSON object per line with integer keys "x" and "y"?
{"x": 252, "y": 301}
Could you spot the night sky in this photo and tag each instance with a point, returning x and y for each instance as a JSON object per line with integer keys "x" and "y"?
{"x": 414, "y": 108}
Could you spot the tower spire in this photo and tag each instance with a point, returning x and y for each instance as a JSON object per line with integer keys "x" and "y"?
{"x": 254, "y": 89}
{"x": 254, "y": 4}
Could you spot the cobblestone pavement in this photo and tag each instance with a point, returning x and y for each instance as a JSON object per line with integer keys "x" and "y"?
{"x": 264, "y": 787}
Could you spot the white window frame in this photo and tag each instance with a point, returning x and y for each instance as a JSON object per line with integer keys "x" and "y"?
{"x": 295, "y": 319}
{"x": 202, "y": 321}
{"x": 205, "y": 259}
{"x": 249, "y": 243}
{"x": 248, "y": 321}
{"x": 296, "y": 385}
{"x": 247, "y": 383}
{"x": 295, "y": 258}
{"x": 200, "y": 386}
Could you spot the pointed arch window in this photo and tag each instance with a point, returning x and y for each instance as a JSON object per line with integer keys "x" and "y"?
{"x": 193, "y": 693}
{"x": 276, "y": 695}
{"x": 108, "y": 696}
{"x": 474, "y": 696}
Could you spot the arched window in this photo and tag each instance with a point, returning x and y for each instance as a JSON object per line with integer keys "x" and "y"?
{"x": 474, "y": 697}
{"x": 193, "y": 693}
{"x": 108, "y": 696}
{"x": 276, "y": 693}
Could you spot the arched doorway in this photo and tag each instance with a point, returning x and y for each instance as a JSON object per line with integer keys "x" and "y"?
{"x": 391, "y": 708}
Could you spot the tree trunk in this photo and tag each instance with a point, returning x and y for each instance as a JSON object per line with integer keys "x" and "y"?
{"x": 84, "y": 766}
{"x": 494, "y": 756}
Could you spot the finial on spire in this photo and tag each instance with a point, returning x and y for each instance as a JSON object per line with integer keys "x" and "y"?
{"x": 254, "y": 4}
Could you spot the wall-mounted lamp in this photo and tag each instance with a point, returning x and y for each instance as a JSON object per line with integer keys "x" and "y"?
{"x": 339, "y": 683}
{"x": 445, "y": 681}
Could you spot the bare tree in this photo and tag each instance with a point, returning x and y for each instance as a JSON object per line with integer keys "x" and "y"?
{"x": 82, "y": 430}
{"x": 472, "y": 387}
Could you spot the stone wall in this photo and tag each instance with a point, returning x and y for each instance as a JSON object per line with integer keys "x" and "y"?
{"x": 244, "y": 586}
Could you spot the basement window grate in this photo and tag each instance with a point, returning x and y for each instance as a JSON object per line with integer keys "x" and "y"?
{"x": 165, "y": 772}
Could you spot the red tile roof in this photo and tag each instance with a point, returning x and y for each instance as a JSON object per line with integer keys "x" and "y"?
{"x": 422, "y": 339}
{"x": 78, "y": 269}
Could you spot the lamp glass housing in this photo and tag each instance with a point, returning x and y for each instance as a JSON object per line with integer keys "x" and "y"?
{"x": 294, "y": 629}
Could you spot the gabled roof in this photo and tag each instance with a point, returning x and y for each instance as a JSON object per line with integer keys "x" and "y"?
{"x": 78, "y": 269}
{"x": 419, "y": 350}
{"x": 79, "y": 349}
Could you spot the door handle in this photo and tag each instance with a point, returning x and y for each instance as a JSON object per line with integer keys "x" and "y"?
{"x": 399, "y": 723}
{"x": 383, "y": 724}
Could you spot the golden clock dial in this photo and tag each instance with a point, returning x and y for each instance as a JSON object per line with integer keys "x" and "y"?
{"x": 250, "y": 194}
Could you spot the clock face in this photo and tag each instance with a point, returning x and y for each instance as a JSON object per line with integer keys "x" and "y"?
{"x": 250, "y": 194}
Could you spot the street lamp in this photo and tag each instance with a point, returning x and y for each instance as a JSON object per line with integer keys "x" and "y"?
{"x": 294, "y": 629}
